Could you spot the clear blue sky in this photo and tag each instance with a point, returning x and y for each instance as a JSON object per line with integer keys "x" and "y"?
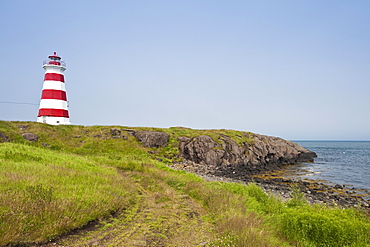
{"x": 294, "y": 69}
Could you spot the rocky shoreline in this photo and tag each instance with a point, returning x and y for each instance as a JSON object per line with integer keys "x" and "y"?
{"x": 315, "y": 192}
{"x": 254, "y": 161}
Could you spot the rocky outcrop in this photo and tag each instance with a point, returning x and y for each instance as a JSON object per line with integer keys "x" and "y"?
{"x": 262, "y": 154}
{"x": 152, "y": 138}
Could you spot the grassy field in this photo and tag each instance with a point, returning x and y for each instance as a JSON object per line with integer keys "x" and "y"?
{"x": 81, "y": 186}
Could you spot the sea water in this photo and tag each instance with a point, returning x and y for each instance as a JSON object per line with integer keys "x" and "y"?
{"x": 338, "y": 162}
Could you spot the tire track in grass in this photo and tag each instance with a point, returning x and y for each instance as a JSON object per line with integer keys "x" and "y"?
{"x": 161, "y": 216}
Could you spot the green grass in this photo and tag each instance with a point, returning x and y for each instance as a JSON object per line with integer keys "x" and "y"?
{"x": 45, "y": 193}
{"x": 319, "y": 226}
{"x": 302, "y": 223}
{"x": 83, "y": 175}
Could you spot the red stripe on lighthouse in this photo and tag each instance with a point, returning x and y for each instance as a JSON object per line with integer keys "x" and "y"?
{"x": 53, "y": 113}
{"x": 53, "y": 94}
{"x": 54, "y": 77}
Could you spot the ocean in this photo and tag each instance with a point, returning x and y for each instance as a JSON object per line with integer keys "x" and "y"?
{"x": 338, "y": 162}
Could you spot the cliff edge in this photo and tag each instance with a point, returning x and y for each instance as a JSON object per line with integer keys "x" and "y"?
{"x": 226, "y": 154}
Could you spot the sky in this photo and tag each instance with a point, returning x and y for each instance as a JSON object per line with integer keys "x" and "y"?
{"x": 298, "y": 70}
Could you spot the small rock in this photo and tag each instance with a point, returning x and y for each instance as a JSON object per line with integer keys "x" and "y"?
{"x": 30, "y": 137}
{"x": 3, "y": 137}
{"x": 130, "y": 131}
{"x": 115, "y": 132}
{"x": 337, "y": 186}
{"x": 23, "y": 127}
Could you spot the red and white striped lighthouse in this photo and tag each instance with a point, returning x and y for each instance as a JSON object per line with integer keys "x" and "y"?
{"x": 54, "y": 105}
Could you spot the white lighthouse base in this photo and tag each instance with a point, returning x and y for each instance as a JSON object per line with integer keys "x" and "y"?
{"x": 53, "y": 120}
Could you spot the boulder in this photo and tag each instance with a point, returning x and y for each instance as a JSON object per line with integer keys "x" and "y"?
{"x": 30, "y": 137}
{"x": 3, "y": 137}
{"x": 152, "y": 138}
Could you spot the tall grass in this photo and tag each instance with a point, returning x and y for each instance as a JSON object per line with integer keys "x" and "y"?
{"x": 320, "y": 226}
{"x": 303, "y": 224}
{"x": 44, "y": 193}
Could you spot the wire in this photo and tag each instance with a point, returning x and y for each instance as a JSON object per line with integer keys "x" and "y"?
{"x": 18, "y": 103}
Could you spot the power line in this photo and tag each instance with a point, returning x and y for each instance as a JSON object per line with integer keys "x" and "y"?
{"x": 18, "y": 103}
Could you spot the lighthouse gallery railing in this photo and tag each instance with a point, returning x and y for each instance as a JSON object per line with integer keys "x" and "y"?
{"x": 61, "y": 63}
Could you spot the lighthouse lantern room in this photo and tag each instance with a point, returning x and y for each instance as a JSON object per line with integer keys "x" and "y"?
{"x": 54, "y": 105}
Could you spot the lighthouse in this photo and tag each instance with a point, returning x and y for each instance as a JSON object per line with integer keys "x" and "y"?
{"x": 54, "y": 105}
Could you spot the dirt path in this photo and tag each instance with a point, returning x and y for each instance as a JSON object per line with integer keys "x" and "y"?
{"x": 162, "y": 216}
